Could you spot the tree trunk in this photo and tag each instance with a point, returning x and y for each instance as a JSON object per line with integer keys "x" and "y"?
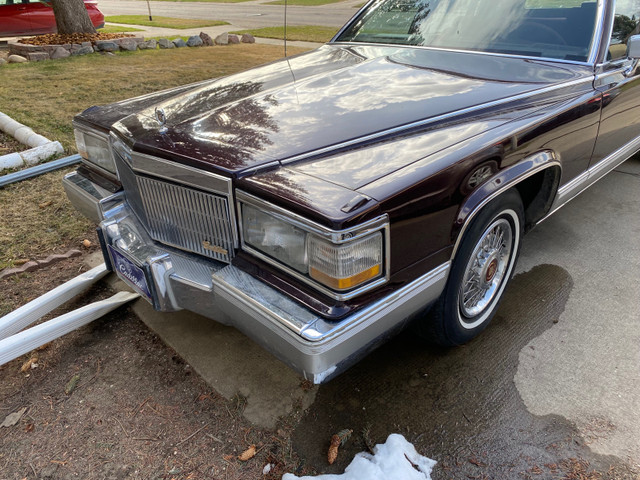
{"x": 72, "y": 17}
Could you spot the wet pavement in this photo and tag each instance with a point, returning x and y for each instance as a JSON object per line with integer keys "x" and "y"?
{"x": 461, "y": 406}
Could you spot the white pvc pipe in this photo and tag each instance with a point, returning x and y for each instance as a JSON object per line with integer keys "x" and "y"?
{"x": 21, "y": 132}
{"x": 27, "y": 314}
{"x": 23, "y": 342}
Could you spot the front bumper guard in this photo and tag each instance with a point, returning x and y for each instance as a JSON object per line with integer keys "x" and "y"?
{"x": 314, "y": 347}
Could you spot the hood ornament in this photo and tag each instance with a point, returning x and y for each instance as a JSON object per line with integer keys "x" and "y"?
{"x": 161, "y": 118}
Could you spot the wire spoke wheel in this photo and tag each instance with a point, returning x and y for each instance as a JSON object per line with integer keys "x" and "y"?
{"x": 480, "y": 271}
{"x": 486, "y": 269}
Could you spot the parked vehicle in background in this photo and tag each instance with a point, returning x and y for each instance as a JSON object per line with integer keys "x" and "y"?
{"x": 34, "y": 17}
{"x": 320, "y": 202}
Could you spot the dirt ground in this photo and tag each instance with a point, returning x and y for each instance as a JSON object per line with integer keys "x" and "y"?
{"x": 111, "y": 401}
{"x": 8, "y": 144}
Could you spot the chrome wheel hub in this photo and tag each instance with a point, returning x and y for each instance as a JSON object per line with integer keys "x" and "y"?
{"x": 486, "y": 269}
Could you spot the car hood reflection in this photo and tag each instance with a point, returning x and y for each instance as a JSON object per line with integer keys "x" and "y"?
{"x": 324, "y": 98}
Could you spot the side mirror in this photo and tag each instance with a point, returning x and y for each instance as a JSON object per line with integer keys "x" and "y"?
{"x": 633, "y": 47}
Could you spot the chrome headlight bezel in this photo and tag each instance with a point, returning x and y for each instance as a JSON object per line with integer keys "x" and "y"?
{"x": 376, "y": 227}
{"x": 101, "y": 142}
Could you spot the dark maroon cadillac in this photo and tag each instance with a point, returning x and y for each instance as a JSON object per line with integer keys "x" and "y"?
{"x": 321, "y": 202}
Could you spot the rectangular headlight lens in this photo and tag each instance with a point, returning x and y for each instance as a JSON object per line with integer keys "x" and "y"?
{"x": 278, "y": 239}
{"x": 94, "y": 149}
{"x": 345, "y": 266}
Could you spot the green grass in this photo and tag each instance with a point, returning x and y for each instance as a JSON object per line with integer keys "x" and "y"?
{"x": 308, "y": 33}
{"x": 307, "y": 3}
{"x": 36, "y": 219}
{"x": 164, "y": 22}
{"x": 114, "y": 29}
{"x": 170, "y": 37}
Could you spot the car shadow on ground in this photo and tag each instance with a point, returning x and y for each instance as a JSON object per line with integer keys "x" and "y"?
{"x": 459, "y": 406}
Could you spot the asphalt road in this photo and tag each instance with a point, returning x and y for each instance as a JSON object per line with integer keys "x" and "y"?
{"x": 252, "y": 14}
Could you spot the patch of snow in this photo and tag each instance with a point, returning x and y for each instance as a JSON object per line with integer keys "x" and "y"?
{"x": 396, "y": 459}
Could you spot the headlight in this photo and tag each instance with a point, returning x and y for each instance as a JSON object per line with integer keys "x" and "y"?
{"x": 278, "y": 239}
{"x": 343, "y": 261}
{"x": 94, "y": 148}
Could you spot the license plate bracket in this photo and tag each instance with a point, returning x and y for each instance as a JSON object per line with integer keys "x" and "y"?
{"x": 130, "y": 272}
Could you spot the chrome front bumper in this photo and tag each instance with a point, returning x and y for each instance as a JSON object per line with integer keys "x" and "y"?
{"x": 316, "y": 348}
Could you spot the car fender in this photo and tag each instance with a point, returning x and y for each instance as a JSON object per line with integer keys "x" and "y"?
{"x": 502, "y": 181}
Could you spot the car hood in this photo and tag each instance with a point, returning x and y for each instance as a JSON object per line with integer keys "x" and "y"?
{"x": 316, "y": 102}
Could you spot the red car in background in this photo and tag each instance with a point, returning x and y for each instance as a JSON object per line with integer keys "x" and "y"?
{"x": 35, "y": 17}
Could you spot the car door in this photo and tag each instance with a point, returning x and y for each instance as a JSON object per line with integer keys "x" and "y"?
{"x": 14, "y": 18}
{"x": 41, "y": 17}
{"x": 619, "y": 81}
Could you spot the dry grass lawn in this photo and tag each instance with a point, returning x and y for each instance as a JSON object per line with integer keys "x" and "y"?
{"x": 35, "y": 217}
{"x": 303, "y": 33}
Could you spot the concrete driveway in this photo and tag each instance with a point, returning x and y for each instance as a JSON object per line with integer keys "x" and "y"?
{"x": 555, "y": 377}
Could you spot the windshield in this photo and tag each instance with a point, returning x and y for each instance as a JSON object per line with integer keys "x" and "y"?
{"x": 561, "y": 29}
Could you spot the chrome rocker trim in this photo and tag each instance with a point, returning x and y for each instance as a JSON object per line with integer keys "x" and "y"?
{"x": 314, "y": 347}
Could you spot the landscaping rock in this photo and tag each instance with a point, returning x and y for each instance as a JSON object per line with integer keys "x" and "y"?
{"x": 86, "y": 44}
{"x": 233, "y": 39}
{"x": 164, "y": 43}
{"x": 222, "y": 39}
{"x": 81, "y": 51}
{"x": 37, "y": 56}
{"x": 127, "y": 45}
{"x": 248, "y": 38}
{"x": 148, "y": 45}
{"x": 194, "y": 41}
{"x": 2, "y": 61}
{"x": 179, "y": 43}
{"x": 59, "y": 52}
{"x": 106, "y": 46}
{"x": 206, "y": 39}
{"x": 16, "y": 59}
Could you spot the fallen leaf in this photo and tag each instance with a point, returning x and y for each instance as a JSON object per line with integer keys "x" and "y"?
{"x": 28, "y": 365}
{"x": 476, "y": 462}
{"x": 86, "y": 243}
{"x": 248, "y": 454}
{"x": 72, "y": 385}
{"x": 227, "y": 458}
{"x": 20, "y": 261}
{"x": 13, "y": 418}
{"x": 28, "y": 428}
{"x": 45, "y": 204}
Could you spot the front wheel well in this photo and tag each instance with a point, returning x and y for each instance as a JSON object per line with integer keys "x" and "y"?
{"x": 538, "y": 193}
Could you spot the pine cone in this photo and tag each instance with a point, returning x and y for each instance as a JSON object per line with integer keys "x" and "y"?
{"x": 333, "y": 449}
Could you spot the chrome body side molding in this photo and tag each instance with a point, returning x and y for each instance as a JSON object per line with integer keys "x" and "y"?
{"x": 579, "y": 184}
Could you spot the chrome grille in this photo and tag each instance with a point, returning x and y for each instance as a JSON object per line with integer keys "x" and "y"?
{"x": 182, "y": 217}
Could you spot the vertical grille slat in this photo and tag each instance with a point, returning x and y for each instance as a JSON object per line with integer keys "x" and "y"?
{"x": 179, "y": 216}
